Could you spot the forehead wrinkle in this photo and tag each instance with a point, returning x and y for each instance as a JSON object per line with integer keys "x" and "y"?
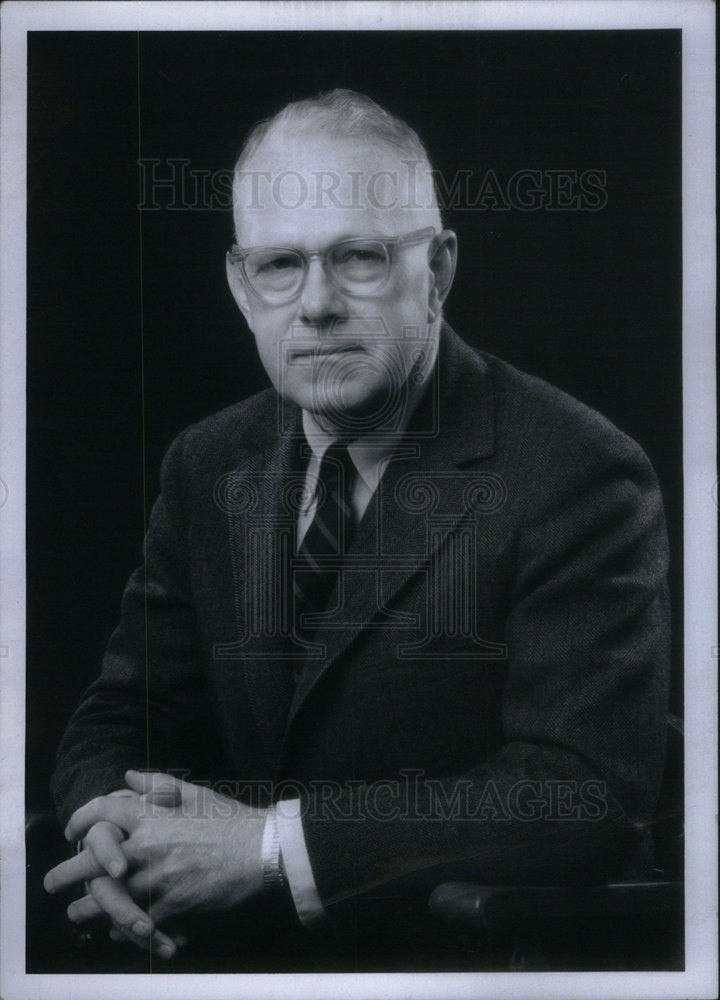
{"x": 310, "y": 245}
{"x": 285, "y": 155}
{"x": 315, "y": 228}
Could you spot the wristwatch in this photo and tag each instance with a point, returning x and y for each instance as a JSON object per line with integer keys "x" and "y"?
{"x": 272, "y": 868}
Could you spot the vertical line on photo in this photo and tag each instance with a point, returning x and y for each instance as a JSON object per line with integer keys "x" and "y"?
{"x": 144, "y": 461}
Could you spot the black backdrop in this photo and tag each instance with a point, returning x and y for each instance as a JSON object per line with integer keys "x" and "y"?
{"x": 589, "y": 300}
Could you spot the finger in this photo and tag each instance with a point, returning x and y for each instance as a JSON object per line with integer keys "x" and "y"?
{"x": 83, "y": 909}
{"x": 161, "y": 944}
{"x": 158, "y": 783}
{"x": 114, "y": 899}
{"x": 103, "y": 840}
{"x": 121, "y": 810}
{"x": 158, "y": 938}
{"x": 80, "y": 868}
{"x": 87, "y": 908}
{"x": 162, "y": 789}
{"x": 162, "y": 937}
{"x": 140, "y": 888}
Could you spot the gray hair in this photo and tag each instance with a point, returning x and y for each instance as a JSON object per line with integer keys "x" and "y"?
{"x": 341, "y": 114}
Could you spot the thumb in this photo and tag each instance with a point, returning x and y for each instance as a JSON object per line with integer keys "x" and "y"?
{"x": 158, "y": 788}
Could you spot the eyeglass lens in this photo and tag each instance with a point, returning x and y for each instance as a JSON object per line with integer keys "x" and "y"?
{"x": 356, "y": 266}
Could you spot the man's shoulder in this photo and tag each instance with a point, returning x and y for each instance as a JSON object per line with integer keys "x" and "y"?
{"x": 536, "y": 414}
{"x": 550, "y": 448}
{"x": 245, "y": 419}
{"x": 538, "y": 434}
{"x": 232, "y": 435}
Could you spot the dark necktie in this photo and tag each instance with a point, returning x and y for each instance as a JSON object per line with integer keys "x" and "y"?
{"x": 319, "y": 558}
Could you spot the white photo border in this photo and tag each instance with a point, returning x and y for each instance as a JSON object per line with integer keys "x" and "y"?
{"x": 696, "y": 18}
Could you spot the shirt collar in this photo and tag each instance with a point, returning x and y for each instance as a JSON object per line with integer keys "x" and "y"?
{"x": 369, "y": 454}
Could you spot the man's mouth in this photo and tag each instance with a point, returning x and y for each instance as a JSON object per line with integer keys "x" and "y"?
{"x": 322, "y": 351}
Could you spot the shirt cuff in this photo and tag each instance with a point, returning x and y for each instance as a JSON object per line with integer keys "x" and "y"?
{"x": 296, "y": 862}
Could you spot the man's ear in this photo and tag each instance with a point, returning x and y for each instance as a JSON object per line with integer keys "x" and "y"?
{"x": 443, "y": 258}
{"x": 239, "y": 291}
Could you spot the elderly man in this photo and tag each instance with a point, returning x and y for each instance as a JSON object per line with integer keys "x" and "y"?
{"x": 401, "y": 618}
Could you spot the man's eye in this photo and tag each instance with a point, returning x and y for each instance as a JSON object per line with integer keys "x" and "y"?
{"x": 359, "y": 255}
{"x": 279, "y": 263}
{"x": 366, "y": 255}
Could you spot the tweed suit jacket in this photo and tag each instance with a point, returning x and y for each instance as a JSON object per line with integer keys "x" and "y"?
{"x": 486, "y": 696}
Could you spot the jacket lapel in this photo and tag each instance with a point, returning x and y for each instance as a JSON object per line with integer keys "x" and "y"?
{"x": 260, "y": 497}
{"x": 421, "y": 498}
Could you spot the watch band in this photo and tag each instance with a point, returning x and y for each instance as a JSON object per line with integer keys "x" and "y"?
{"x": 272, "y": 869}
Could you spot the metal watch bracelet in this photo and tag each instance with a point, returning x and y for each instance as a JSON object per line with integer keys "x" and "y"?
{"x": 272, "y": 869}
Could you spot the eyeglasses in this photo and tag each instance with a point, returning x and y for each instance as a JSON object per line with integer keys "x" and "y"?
{"x": 357, "y": 267}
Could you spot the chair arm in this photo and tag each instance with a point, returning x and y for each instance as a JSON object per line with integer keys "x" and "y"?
{"x": 506, "y": 909}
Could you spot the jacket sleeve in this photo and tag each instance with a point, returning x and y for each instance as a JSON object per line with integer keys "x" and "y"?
{"x": 566, "y": 795}
{"x": 146, "y": 708}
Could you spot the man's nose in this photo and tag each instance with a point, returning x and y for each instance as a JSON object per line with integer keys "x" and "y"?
{"x": 320, "y": 299}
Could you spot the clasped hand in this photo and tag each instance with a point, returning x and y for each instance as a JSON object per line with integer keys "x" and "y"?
{"x": 175, "y": 847}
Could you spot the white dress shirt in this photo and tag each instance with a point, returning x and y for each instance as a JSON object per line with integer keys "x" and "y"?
{"x": 370, "y": 456}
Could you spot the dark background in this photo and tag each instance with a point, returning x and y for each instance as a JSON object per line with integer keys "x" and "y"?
{"x": 130, "y": 340}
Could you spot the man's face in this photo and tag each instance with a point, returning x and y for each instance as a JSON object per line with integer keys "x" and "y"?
{"x": 336, "y": 354}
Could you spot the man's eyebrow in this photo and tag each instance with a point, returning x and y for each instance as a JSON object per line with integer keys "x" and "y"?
{"x": 309, "y": 243}
{"x": 355, "y": 235}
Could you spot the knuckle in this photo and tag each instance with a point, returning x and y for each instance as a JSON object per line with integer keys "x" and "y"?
{"x": 125, "y": 919}
{"x": 133, "y": 848}
{"x": 100, "y": 890}
{"x": 90, "y": 839}
{"x": 140, "y": 840}
{"x": 96, "y": 889}
{"x": 98, "y": 830}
